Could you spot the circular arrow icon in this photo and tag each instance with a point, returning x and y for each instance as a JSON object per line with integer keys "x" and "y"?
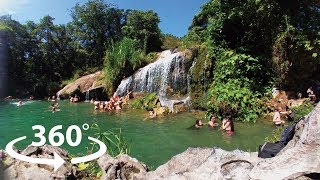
{"x": 57, "y": 161}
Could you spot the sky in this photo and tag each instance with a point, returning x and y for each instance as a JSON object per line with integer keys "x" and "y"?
{"x": 175, "y": 15}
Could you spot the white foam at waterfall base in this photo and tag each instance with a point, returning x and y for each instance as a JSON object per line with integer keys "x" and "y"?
{"x": 171, "y": 102}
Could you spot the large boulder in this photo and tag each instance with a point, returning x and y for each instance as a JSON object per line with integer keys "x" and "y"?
{"x": 301, "y": 156}
{"x": 207, "y": 163}
{"x": 16, "y": 169}
{"x": 83, "y": 84}
{"x": 121, "y": 167}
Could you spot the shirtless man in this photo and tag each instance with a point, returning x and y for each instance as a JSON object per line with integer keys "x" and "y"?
{"x": 212, "y": 122}
{"x": 277, "y": 117}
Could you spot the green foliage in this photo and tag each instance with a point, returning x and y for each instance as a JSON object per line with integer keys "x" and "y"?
{"x": 121, "y": 61}
{"x": 169, "y": 41}
{"x": 115, "y": 143}
{"x": 113, "y": 139}
{"x": 148, "y": 102}
{"x": 301, "y": 111}
{"x": 82, "y": 166}
{"x": 251, "y": 45}
{"x": 95, "y": 25}
{"x": 151, "y": 57}
{"x": 201, "y": 77}
{"x": 232, "y": 91}
{"x": 43, "y": 54}
{"x": 39, "y": 55}
{"x": 137, "y": 103}
{"x": 78, "y": 74}
{"x": 295, "y": 70}
{"x": 143, "y": 27}
{"x": 275, "y": 135}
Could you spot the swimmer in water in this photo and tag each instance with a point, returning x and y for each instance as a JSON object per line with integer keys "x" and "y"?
{"x": 212, "y": 122}
{"x": 19, "y": 103}
{"x": 53, "y": 109}
{"x": 198, "y": 124}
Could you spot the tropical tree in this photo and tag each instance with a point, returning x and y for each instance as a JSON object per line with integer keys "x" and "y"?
{"x": 143, "y": 27}
{"x": 95, "y": 25}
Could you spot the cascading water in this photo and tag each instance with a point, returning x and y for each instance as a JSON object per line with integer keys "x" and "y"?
{"x": 166, "y": 76}
{"x": 87, "y": 96}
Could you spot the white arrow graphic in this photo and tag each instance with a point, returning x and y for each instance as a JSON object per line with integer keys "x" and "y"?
{"x": 56, "y": 162}
{"x": 93, "y": 156}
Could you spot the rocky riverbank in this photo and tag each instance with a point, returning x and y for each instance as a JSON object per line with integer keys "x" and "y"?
{"x": 299, "y": 159}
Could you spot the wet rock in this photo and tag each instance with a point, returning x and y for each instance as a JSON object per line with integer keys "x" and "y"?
{"x": 180, "y": 107}
{"x": 161, "y": 110}
{"x": 121, "y": 167}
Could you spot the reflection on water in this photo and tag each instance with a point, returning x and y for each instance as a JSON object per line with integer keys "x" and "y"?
{"x": 153, "y": 141}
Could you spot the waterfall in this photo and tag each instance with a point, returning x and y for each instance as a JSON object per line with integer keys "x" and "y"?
{"x": 169, "y": 72}
{"x": 87, "y": 96}
{"x": 166, "y": 76}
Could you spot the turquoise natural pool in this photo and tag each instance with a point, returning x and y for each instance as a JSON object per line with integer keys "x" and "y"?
{"x": 152, "y": 141}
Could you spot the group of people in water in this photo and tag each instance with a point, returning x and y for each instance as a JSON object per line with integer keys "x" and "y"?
{"x": 115, "y": 103}
{"x": 227, "y": 124}
{"x": 74, "y": 99}
{"x": 20, "y": 103}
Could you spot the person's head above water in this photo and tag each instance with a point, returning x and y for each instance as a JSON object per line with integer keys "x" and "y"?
{"x": 199, "y": 122}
